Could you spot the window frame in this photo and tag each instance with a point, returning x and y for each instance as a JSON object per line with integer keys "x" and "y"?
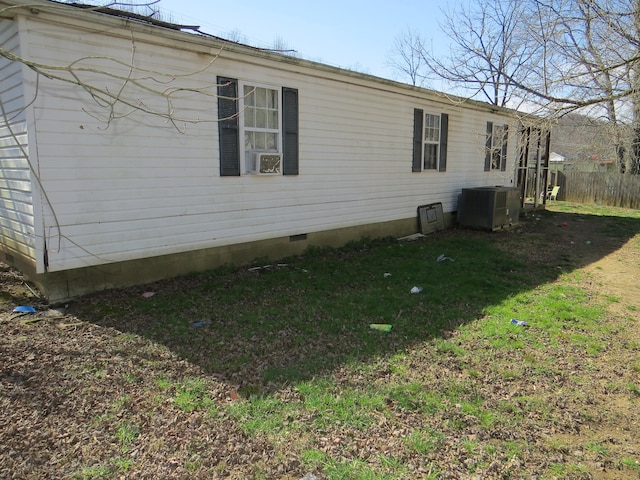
{"x": 427, "y": 127}
{"x": 246, "y": 162}
{"x": 229, "y": 129}
{"x": 496, "y": 144}
{"x": 420, "y": 141}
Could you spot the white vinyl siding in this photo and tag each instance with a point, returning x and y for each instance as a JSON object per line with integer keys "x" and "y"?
{"x": 17, "y": 232}
{"x": 141, "y": 185}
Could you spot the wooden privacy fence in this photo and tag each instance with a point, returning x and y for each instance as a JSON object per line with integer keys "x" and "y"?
{"x": 612, "y": 189}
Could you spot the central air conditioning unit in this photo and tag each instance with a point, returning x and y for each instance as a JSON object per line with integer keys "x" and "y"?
{"x": 268, "y": 163}
{"x": 489, "y": 208}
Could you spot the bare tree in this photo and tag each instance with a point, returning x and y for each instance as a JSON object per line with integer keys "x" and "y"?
{"x": 406, "y": 57}
{"x": 236, "y": 36}
{"x": 588, "y": 59}
{"x": 280, "y": 45}
{"x": 120, "y": 85}
{"x": 560, "y": 55}
{"x": 488, "y": 55}
{"x": 635, "y": 78}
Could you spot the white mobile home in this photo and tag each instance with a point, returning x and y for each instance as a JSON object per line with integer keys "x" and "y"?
{"x": 132, "y": 150}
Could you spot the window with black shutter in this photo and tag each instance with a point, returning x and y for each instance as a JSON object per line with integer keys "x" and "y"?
{"x": 228, "y": 126}
{"x": 290, "y": 131}
{"x": 430, "y": 138}
{"x": 258, "y": 129}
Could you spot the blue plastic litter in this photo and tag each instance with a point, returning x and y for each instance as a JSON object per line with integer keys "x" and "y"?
{"x": 522, "y": 323}
{"x": 24, "y": 309}
{"x": 201, "y": 324}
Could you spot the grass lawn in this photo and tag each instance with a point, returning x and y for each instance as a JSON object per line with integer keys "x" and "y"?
{"x": 274, "y": 372}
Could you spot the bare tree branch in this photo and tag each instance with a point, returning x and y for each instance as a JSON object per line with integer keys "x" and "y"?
{"x": 406, "y": 57}
{"x": 557, "y": 55}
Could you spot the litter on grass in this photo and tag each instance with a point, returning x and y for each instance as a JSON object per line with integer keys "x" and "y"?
{"x": 267, "y": 267}
{"x": 411, "y": 238}
{"x": 24, "y": 309}
{"x": 416, "y": 289}
{"x": 384, "y": 327}
{"x": 442, "y": 258}
{"x": 201, "y": 323}
{"x": 386, "y": 275}
{"x": 521, "y": 323}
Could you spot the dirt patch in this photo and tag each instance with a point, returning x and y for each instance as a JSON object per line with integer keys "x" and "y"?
{"x": 607, "y": 265}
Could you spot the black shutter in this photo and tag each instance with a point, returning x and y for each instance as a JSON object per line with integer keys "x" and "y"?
{"x": 228, "y": 131}
{"x": 418, "y": 119}
{"x": 487, "y": 155}
{"x": 503, "y": 157}
{"x": 444, "y": 138}
{"x": 290, "y": 141}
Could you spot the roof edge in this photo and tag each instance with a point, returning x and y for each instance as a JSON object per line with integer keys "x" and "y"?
{"x": 90, "y": 13}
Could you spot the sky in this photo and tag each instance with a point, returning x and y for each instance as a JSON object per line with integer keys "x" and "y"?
{"x": 354, "y": 34}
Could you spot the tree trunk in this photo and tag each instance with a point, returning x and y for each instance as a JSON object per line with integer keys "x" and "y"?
{"x": 634, "y": 160}
{"x": 634, "y": 167}
{"x": 620, "y": 154}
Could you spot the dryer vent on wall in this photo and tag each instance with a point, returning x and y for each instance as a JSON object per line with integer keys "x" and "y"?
{"x": 489, "y": 208}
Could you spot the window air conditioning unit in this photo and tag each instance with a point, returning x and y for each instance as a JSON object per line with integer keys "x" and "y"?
{"x": 489, "y": 208}
{"x": 268, "y": 163}
{"x": 431, "y": 218}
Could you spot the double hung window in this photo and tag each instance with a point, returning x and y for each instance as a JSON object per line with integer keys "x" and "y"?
{"x": 258, "y": 128}
{"x": 496, "y": 147}
{"x": 262, "y": 129}
{"x": 431, "y": 142}
{"x": 430, "y": 132}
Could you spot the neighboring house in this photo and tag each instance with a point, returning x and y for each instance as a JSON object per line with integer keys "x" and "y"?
{"x": 141, "y": 152}
{"x": 590, "y": 164}
{"x": 556, "y": 161}
{"x": 596, "y": 163}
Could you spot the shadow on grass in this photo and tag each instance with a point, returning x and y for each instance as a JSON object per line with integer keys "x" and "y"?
{"x": 259, "y": 329}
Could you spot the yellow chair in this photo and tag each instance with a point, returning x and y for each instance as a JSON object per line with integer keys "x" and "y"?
{"x": 553, "y": 193}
